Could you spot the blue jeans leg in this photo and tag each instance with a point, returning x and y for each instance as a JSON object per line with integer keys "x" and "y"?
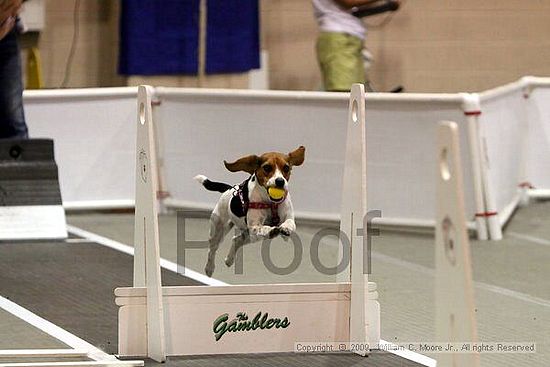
{"x": 12, "y": 116}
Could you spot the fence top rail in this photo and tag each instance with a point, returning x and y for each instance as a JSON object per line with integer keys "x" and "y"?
{"x": 175, "y": 93}
{"x": 79, "y": 93}
{"x": 525, "y": 84}
{"x": 503, "y": 90}
{"x": 535, "y": 81}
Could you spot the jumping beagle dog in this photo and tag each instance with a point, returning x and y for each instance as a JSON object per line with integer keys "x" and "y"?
{"x": 260, "y": 207}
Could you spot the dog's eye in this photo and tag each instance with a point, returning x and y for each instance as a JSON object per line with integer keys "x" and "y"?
{"x": 267, "y": 168}
{"x": 286, "y": 168}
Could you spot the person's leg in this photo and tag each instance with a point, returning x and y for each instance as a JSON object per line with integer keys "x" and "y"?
{"x": 12, "y": 117}
{"x": 354, "y": 57}
{"x": 340, "y": 60}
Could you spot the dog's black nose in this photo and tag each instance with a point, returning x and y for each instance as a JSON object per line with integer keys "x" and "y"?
{"x": 280, "y": 182}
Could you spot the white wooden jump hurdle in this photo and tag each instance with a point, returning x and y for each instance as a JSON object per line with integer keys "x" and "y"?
{"x": 455, "y": 317}
{"x": 156, "y": 321}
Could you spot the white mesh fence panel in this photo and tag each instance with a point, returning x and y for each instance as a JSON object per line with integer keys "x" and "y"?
{"x": 503, "y": 125}
{"x": 538, "y": 148}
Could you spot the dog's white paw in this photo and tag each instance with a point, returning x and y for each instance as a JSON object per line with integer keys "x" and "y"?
{"x": 285, "y": 232}
{"x": 262, "y": 232}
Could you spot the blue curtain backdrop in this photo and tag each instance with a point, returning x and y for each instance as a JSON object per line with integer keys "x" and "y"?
{"x": 160, "y": 37}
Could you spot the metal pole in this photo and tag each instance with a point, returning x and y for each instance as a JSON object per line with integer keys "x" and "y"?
{"x": 203, "y": 16}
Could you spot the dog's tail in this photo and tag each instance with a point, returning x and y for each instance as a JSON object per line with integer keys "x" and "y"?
{"x": 212, "y": 185}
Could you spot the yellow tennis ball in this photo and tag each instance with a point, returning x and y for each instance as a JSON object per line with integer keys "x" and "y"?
{"x": 276, "y": 193}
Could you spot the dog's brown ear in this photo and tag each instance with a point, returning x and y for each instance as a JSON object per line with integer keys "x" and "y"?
{"x": 296, "y": 157}
{"x": 248, "y": 164}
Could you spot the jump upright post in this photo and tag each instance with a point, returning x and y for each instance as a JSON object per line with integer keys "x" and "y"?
{"x": 455, "y": 317}
{"x": 156, "y": 321}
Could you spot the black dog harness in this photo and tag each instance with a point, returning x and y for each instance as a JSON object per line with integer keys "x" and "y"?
{"x": 240, "y": 203}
